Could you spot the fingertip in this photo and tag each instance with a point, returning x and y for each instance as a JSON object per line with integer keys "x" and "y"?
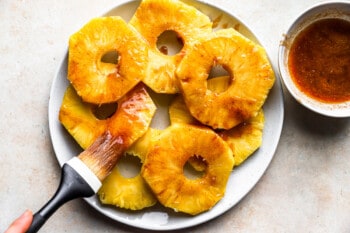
{"x": 28, "y": 213}
{"x": 22, "y": 223}
{"x": 27, "y": 218}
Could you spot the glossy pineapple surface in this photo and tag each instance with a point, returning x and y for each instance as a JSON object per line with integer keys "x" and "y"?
{"x": 250, "y": 72}
{"x": 98, "y": 80}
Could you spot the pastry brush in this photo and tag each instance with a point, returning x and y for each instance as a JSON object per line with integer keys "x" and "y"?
{"x": 82, "y": 175}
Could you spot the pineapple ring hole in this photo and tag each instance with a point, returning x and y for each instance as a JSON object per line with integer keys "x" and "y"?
{"x": 196, "y": 169}
{"x": 219, "y": 79}
{"x": 110, "y": 57}
{"x": 169, "y": 43}
{"x": 105, "y": 111}
{"x": 129, "y": 166}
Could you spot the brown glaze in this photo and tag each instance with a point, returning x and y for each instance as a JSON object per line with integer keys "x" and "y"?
{"x": 319, "y": 60}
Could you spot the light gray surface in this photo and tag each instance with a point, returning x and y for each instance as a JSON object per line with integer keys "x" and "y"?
{"x": 305, "y": 189}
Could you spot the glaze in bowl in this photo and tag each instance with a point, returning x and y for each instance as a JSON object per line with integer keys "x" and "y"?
{"x": 329, "y": 10}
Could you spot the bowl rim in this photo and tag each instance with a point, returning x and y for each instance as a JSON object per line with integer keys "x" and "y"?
{"x": 310, "y": 15}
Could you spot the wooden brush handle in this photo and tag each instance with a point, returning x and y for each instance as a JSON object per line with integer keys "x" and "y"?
{"x": 72, "y": 185}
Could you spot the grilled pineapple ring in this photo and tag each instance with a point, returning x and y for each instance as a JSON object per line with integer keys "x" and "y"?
{"x": 97, "y": 81}
{"x": 163, "y": 168}
{"x": 251, "y": 79}
{"x": 151, "y": 19}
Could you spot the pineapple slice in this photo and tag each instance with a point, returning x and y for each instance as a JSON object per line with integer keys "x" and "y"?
{"x": 132, "y": 118}
{"x": 130, "y": 193}
{"x": 151, "y": 19}
{"x": 99, "y": 81}
{"x": 251, "y": 79}
{"x": 163, "y": 168}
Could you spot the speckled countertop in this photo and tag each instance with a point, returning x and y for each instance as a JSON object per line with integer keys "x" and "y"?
{"x": 305, "y": 188}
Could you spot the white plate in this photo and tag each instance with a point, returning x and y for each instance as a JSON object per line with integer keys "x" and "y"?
{"x": 242, "y": 179}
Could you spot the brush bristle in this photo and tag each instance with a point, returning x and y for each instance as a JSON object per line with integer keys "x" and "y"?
{"x": 103, "y": 154}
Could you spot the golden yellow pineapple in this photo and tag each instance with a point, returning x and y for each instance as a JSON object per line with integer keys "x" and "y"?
{"x": 151, "y": 19}
{"x": 130, "y": 192}
{"x": 79, "y": 119}
{"x": 178, "y": 112}
{"x": 245, "y": 138}
{"x": 141, "y": 146}
{"x": 249, "y": 69}
{"x": 99, "y": 81}
{"x": 164, "y": 163}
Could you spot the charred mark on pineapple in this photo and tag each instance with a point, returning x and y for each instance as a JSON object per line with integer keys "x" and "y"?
{"x": 104, "y": 111}
{"x": 237, "y": 26}
{"x": 129, "y": 166}
{"x": 169, "y": 43}
{"x": 217, "y": 21}
{"x": 110, "y": 57}
{"x": 195, "y": 167}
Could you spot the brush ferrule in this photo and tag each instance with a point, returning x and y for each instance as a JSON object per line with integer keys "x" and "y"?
{"x": 85, "y": 173}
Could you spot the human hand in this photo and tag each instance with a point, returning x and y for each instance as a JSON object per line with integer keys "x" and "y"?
{"x": 21, "y": 224}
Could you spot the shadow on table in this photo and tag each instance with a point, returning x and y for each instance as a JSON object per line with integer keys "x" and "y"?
{"x": 311, "y": 122}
